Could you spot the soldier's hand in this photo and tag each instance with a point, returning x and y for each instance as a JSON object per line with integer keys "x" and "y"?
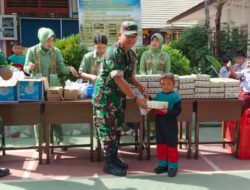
{"x": 93, "y": 78}
{"x": 142, "y": 103}
{"x": 142, "y": 89}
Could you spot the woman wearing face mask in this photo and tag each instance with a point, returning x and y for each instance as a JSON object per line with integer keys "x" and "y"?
{"x": 46, "y": 60}
{"x": 155, "y": 60}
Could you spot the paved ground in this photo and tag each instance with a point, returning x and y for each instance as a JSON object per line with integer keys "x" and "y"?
{"x": 216, "y": 169}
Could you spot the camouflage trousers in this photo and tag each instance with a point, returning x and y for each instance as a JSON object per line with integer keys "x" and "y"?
{"x": 108, "y": 124}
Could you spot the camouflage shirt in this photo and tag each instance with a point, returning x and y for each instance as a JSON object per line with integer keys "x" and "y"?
{"x": 107, "y": 94}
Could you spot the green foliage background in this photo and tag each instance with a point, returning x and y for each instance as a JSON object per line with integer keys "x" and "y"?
{"x": 193, "y": 44}
{"x": 72, "y": 51}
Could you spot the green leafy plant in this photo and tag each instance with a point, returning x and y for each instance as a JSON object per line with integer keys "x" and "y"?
{"x": 193, "y": 44}
{"x": 72, "y": 51}
{"x": 215, "y": 64}
{"x": 179, "y": 63}
{"x": 139, "y": 52}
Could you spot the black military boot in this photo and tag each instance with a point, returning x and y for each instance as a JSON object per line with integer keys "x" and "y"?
{"x": 111, "y": 168}
{"x": 118, "y": 162}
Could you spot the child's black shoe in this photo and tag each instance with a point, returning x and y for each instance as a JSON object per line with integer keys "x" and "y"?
{"x": 160, "y": 169}
{"x": 172, "y": 172}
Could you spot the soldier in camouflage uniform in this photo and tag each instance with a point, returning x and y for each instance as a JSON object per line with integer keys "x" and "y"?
{"x": 109, "y": 98}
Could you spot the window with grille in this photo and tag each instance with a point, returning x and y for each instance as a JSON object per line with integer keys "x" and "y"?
{"x": 37, "y": 3}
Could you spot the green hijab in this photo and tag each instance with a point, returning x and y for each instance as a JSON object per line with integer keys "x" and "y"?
{"x": 161, "y": 41}
{"x": 44, "y": 34}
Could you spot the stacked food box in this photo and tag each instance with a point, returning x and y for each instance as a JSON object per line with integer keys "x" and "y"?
{"x": 194, "y": 86}
{"x": 224, "y": 88}
{"x": 217, "y": 88}
{"x": 153, "y": 85}
{"x": 202, "y": 84}
{"x": 232, "y": 88}
{"x": 186, "y": 86}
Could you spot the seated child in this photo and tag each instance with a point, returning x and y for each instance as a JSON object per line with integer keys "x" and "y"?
{"x": 17, "y": 59}
{"x": 244, "y": 75}
{"x": 224, "y": 72}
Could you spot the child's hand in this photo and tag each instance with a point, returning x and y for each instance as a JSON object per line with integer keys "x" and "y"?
{"x": 229, "y": 66}
{"x": 164, "y": 109}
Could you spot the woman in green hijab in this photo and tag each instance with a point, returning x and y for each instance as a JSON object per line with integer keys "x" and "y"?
{"x": 155, "y": 60}
{"x": 46, "y": 60}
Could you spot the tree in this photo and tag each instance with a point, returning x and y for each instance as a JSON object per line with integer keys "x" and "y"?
{"x": 207, "y": 24}
{"x": 219, "y": 6}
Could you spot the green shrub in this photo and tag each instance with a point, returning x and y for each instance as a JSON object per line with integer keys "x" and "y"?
{"x": 139, "y": 52}
{"x": 179, "y": 63}
{"x": 193, "y": 44}
{"x": 72, "y": 51}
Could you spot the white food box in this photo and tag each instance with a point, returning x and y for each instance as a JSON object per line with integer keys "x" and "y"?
{"x": 176, "y": 77}
{"x": 145, "y": 84}
{"x": 141, "y": 78}
{"x": 186, "y": 79}
{"x": 153, "y": 90}
{"x": 233, "y": 89}
{"x": 176, "y": 83}
{"x": 188, "y": 96}
{"x": 202, "y": 83}
{"x": 201, "y": 95}
{"x": 154, "y": 85}
{"x": 216, "y": 82}
{"x": 187, "y": 91}
{"x": 217, "y": 95}
{"x": 217, "y": 90}
{"x": 186, "y": 85}
{"x": 201, "y": 90}
{"x": 155, "y": 78}
{"x": 232, "y": 95}
{"x": 231, "y": 82}
{"x": 156, "y": 104}
{"x": 201, "y": 77}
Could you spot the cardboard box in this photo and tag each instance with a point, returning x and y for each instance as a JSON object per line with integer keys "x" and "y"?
{"x": 71, "y": 93}
{"x": 8, "y": 91}
{"x": 31, "y": 90}
{"x": 55, "y": 93}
